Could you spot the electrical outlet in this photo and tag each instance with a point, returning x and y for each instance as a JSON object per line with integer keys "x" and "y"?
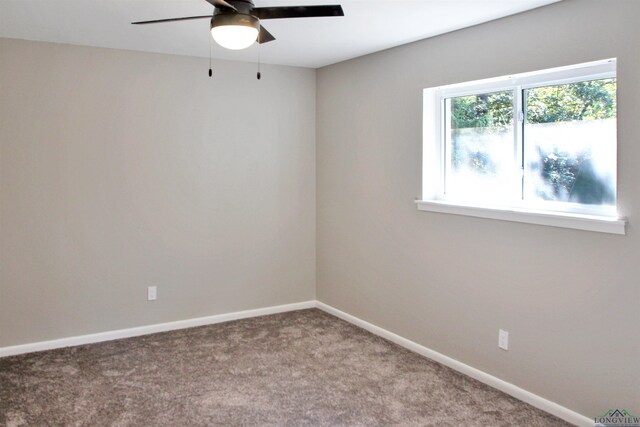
{"x": 503, "y": 339}
{"x": 152, "y": 293}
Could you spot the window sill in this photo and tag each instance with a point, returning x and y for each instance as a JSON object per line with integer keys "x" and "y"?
{"x": 564, "y": 220}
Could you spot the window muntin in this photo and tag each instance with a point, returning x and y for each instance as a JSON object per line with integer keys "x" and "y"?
{"x": 543, "y": 141}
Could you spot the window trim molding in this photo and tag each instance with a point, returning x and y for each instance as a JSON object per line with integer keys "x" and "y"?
{"x": 553, "y": 219}
{"x": 433, "y": 165}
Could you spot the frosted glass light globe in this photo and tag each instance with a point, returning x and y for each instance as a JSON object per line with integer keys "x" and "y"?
{"x": 234, "y": 37}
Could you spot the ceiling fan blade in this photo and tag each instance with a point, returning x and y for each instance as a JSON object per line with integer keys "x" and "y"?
{"x": 157, "y": 21}
{"x": 265, "y": 36}
{"x": 297, "y": 11}
{"x": 221, "y": 4}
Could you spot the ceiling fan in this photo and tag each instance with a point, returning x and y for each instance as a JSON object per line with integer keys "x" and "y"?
{"x": 235, "y": 24}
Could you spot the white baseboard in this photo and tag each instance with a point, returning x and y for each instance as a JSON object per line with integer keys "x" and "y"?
{"x": 151, "y": 329}
{"x": 508, "y": 388}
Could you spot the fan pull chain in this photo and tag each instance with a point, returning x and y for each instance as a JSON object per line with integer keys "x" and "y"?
{"x": 258, "y": 76}
{"x": 210, "y": 69}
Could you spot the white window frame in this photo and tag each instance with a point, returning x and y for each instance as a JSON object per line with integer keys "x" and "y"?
{"x": 578, "y": 216}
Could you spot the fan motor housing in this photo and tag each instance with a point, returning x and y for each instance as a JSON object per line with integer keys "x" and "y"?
{"x": 234, "y": 18}
{"x": 242, "y": 6}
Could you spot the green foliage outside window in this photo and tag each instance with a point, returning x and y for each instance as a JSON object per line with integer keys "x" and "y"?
{"x": 485, "y": 110}
{"x": 590, "y": 100}
{"x": 576, "y": 101}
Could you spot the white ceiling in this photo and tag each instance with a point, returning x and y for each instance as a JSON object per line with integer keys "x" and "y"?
{"x": 368, "y": 26}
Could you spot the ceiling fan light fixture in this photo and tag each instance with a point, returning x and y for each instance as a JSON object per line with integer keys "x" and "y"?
{"x": 234, "y": 31}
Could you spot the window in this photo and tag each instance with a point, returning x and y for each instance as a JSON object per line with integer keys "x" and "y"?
{"x": 537, "y": 147}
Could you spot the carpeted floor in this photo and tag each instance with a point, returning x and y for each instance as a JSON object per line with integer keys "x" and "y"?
{"x": 298, "y": 368}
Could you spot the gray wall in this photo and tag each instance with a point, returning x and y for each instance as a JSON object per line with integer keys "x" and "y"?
{"x": 569, "y": 298}
{"x": 120, "y": 170}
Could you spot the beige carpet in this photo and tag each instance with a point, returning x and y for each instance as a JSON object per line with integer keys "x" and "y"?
{"x": 298, "y": 368}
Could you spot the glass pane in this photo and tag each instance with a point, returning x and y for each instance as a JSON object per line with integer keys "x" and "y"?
{"x": 480, "y": 147}
{"x": 570, "y": 143}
